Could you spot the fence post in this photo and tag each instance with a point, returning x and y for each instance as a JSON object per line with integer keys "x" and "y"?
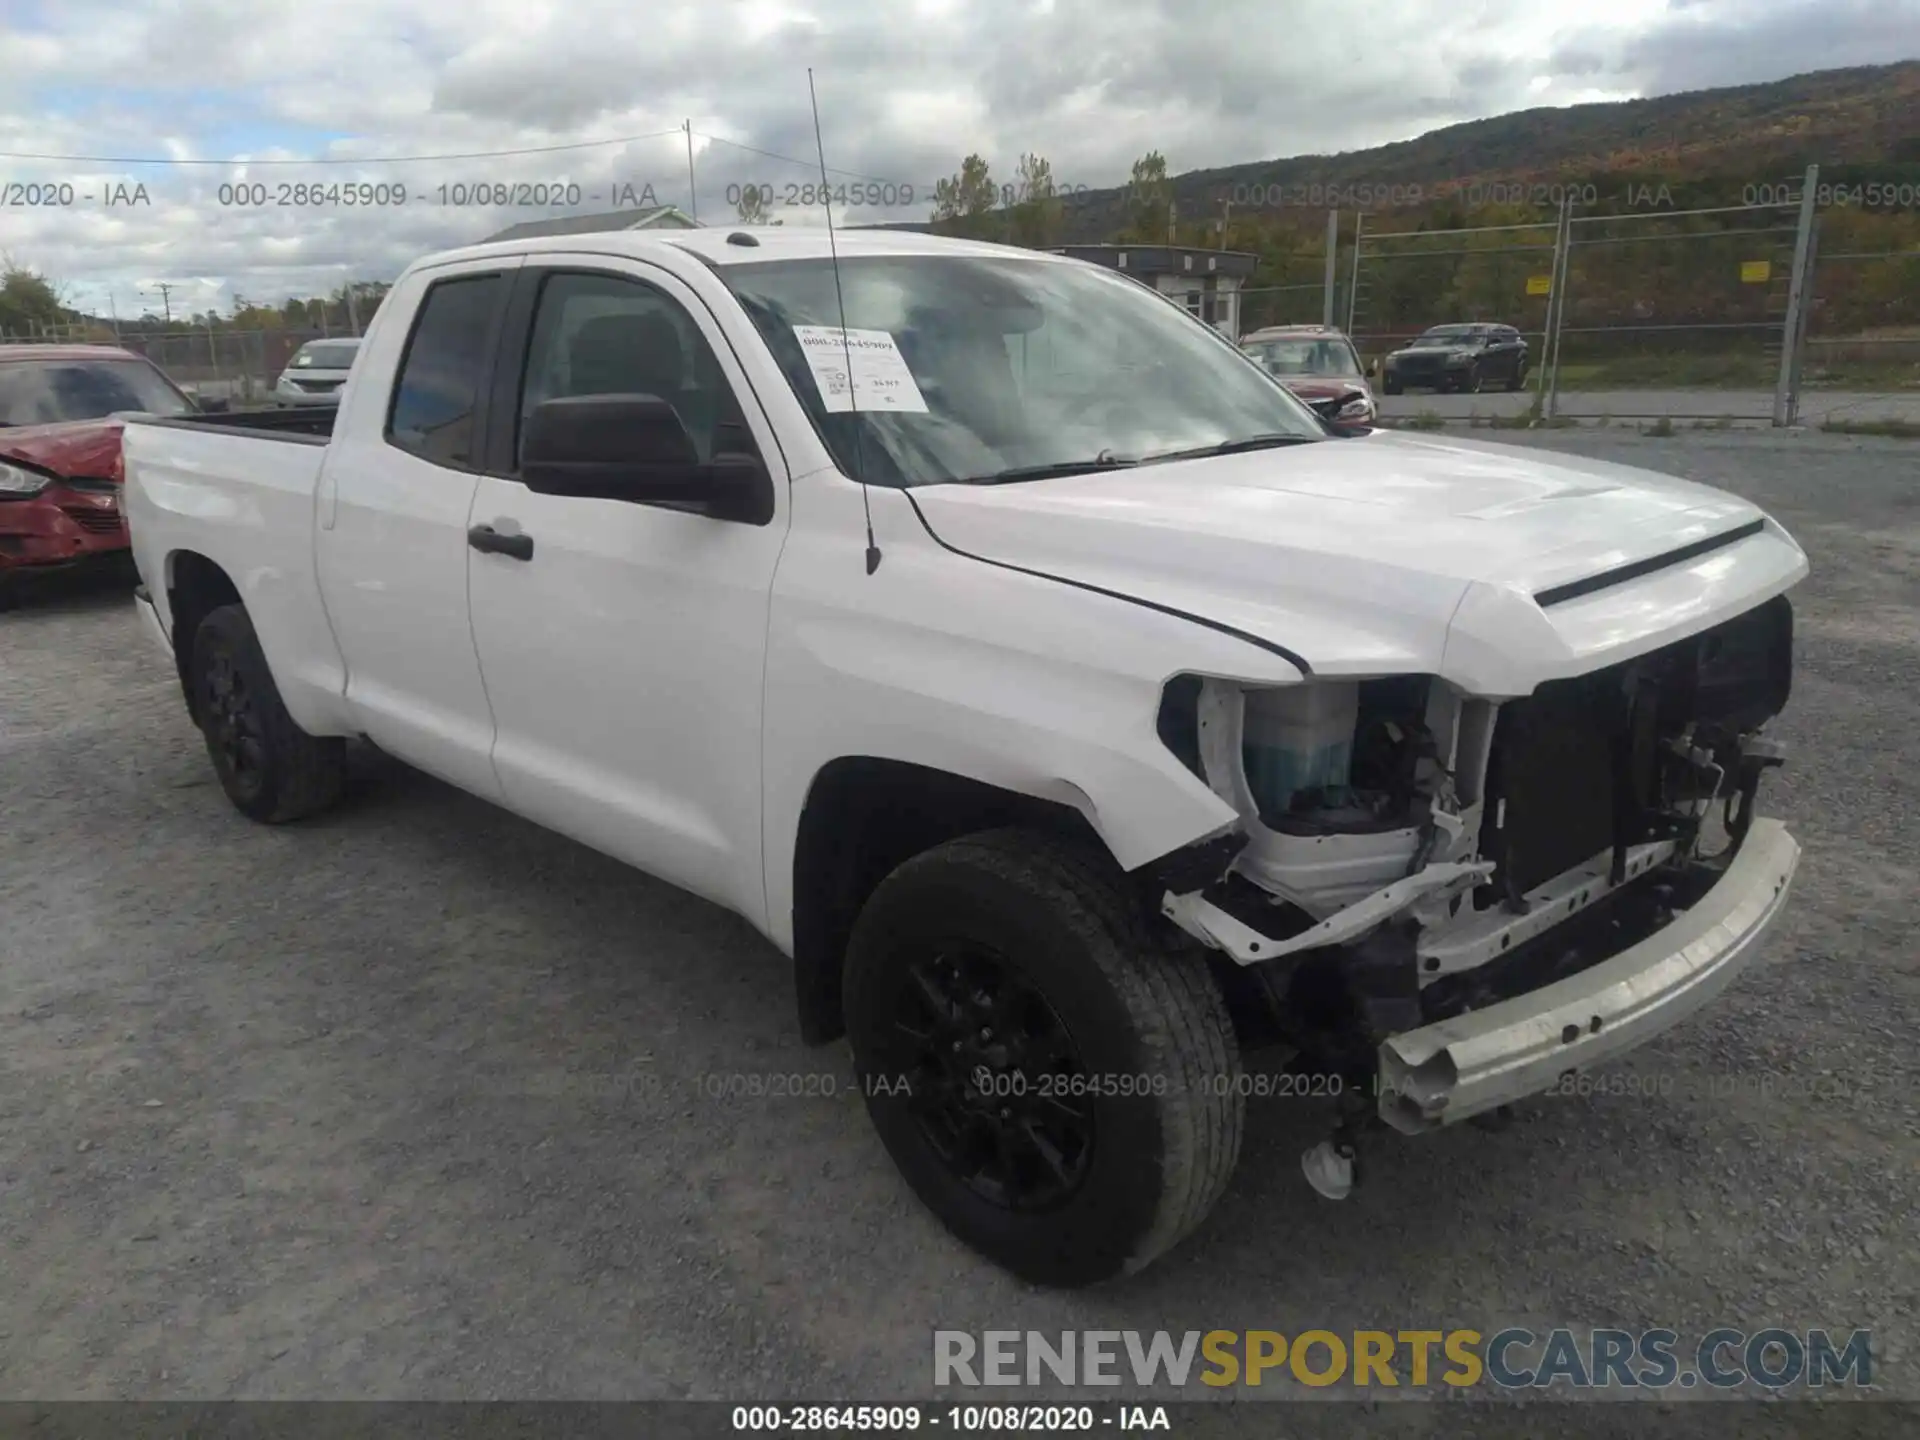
{"x": 1786, "y": 397}
{"x": 1556, "y": 308}
{"x": 1353, "y": 285}
{"x": 1333, "y": 250}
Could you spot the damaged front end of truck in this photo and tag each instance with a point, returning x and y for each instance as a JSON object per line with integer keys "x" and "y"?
{"x": 1452, "y": 901}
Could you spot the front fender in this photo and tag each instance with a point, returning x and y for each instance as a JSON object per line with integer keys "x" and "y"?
{"x": 1013, "y": 680}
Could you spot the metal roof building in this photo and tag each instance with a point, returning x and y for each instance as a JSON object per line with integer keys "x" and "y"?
{"x": 653, "y": 217}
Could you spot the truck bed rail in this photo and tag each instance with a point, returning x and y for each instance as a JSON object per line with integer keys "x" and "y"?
{"x": 306, "y": 424}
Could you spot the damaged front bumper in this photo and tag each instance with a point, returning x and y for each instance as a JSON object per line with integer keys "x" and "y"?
{"x": 1475, "y": 1062}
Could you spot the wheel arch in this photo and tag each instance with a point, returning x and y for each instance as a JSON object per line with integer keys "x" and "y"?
{"x": 196, "y": 586}
{"x": 863, "y": 816}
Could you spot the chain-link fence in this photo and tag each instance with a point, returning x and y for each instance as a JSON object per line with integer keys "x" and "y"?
{"x": 235, "y": 365}
{"x": 1790, "y": 308}
{"x": 1861, "y": 352}
{"x": 1403, "y": 282}
{"x": 1265, "y": 305}
{"x": 1732, "y": 312}
{"x": 1684, "y": 314}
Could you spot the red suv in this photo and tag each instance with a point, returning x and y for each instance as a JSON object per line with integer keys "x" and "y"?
{"x": 60, "y": 471}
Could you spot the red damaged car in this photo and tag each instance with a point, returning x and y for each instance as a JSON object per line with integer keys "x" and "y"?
{"x": 60, "y": 471}
{"x": 1319, "y": 364}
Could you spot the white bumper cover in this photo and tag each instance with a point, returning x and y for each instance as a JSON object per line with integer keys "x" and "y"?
{"x": 1457, "y": 1068}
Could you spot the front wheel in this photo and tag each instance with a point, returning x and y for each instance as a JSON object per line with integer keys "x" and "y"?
{"x": 1518, "y": 380}
{"x": 271, "y": 769}
{"x": 1061, "y": 1090}
{"x": 1392, "y": 387}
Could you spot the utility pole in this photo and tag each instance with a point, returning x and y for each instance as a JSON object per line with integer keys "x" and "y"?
{"x": 693, "y": 200}
{"x": 1172, "y": 235}
{"x": 114, "y": 311}
{"x": 353, "y": 312}
{"x": 1226, "y": 218}
{"x": 166, "y": 300}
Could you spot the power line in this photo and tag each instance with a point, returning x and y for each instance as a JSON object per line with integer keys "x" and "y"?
{"x": 795, "y": 160}
{"x": 356, "y": 160}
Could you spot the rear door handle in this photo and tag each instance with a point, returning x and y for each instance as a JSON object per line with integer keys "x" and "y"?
{"x": 485, "y": 537}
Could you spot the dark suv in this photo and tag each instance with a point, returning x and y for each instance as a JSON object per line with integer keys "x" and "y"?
{"x": 1471, "y": 358}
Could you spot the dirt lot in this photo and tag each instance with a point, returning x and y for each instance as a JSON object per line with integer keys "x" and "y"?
{"x": 419, "y": 1101}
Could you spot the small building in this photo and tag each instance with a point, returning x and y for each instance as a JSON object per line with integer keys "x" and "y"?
{"x": 653, "y": 217}
{"x": 1207, "y": 282}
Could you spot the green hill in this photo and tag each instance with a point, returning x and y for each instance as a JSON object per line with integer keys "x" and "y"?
{"x": 1704, "y": 140}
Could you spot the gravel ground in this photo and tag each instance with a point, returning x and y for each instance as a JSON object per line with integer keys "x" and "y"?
{"x": 409, "y": 1101}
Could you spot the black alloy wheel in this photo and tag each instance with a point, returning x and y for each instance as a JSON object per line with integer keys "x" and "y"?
{"x": 229, "y": 715}
{"x": 1057, "y": 1081}
{"x": 991, "y": 1066}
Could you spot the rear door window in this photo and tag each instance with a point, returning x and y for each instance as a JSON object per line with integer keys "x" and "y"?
{"x": 444, "y": 367}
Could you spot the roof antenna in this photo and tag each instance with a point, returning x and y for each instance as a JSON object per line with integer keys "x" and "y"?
{"x": 846, "y": 344}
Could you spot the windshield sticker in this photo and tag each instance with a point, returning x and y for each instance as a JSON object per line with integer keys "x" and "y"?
{"x": 881, "y": 379}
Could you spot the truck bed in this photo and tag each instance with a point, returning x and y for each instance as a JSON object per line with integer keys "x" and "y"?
{"x": 237, "y": 492}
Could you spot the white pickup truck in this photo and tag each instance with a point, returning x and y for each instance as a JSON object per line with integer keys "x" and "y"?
{"x": 1075, "y": 708}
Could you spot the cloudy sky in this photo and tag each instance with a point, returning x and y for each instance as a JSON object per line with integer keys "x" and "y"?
{"x": 255, "y": 92}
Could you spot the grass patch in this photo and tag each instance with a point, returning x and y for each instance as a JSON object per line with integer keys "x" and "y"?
{"x": 1661, "y": 428}
{"x": 1532, "y": 418}
{"x": 1899, "y": 429}
{"x": 1753, "y": 369}
{"x": 1425, "y": 420}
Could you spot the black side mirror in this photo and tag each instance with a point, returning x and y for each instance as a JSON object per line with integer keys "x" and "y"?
{"x": 635, "y": 448}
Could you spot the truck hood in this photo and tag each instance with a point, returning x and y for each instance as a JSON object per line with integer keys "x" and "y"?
{"x": 1389, "y": 553}
{"x": 89, "y": 448}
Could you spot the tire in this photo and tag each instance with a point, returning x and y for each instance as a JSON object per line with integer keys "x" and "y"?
{"x": 1518, "y": 380}
{"x": 1471, "y": 382}
{"x": 271, "y": 769}
{"x": 1030, "y": 918}
{"x": 1391, "y": 387}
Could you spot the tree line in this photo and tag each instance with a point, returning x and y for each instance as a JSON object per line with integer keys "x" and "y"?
{"x": 33, "y": 305}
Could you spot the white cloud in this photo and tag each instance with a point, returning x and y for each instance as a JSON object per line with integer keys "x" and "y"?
{"x": 905, "y": 91}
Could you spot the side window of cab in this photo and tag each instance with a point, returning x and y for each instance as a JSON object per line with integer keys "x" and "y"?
{"x": 602, "y": 334}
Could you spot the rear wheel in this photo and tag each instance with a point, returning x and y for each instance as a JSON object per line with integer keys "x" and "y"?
{"x": 1059, "y": 1089}
{"x": 271, "y": 769}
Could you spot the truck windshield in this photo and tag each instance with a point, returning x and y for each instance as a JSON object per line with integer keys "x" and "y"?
{"x": 47, "y": 392}
{"x": 984, "y": 369}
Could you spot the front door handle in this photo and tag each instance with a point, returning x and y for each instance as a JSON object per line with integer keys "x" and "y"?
{"x": 485, "y": 537}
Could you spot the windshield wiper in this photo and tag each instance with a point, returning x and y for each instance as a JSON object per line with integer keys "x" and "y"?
{"x": 1272, "y": 441}
{"x": 1103, "y": 461}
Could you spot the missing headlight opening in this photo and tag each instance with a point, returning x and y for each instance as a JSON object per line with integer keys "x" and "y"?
{"x": 1415, "y": 853}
